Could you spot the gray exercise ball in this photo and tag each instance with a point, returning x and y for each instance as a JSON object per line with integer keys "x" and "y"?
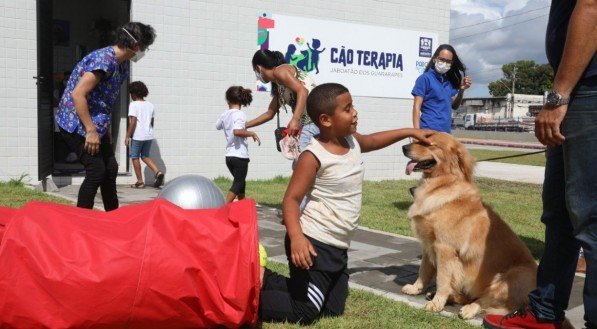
{"x": 193, "y": 192}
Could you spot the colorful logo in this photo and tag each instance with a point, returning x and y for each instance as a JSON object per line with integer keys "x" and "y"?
{"x": 306, "y": 59}
{"x": 425, "y": 47}
{"x": 264, "y": 23}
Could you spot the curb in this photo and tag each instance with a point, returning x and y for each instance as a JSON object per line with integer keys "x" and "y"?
{"x": 535, "y": 146}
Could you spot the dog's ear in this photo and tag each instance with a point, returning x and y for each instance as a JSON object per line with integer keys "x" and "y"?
{"x": 466, "y": 162}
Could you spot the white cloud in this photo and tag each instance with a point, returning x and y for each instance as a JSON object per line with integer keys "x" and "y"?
{"x": 484, "y": 48}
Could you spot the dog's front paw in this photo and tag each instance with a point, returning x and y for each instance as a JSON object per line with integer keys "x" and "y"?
{"x": 411, "y": 289}
{"x": 469, "y": 311}
{"x": 435, "y": 305}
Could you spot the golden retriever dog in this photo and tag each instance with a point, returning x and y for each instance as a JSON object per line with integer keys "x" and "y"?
{"x": 472, "y": 254}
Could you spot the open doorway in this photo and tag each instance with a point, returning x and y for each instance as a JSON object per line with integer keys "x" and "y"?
{"x": 77, "y": 28}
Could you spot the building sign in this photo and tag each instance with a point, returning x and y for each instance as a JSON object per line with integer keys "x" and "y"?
{"x": 370, "y": 60}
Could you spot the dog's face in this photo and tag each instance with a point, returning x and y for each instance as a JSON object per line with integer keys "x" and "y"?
{"x": 445, "y": 157}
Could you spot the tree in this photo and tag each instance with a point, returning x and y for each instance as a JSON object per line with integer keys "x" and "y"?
{"x": 531, "y": 79}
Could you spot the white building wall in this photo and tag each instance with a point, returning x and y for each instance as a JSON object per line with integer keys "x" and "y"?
{"x": 203, "y": 47}
{"x": 18, "y": 92}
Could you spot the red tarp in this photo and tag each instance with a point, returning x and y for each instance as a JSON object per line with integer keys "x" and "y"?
{"x": 150, "y": 265}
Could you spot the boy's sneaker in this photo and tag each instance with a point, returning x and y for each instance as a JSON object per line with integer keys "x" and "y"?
{"x": 522, "y": 318}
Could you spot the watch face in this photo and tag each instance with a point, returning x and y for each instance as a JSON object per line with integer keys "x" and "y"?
{"x": 552, "y": 98}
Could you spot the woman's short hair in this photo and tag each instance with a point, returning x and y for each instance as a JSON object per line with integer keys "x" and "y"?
{"x": 142, "y": 33}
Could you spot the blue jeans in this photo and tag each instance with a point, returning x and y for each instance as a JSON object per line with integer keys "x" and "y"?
{"x": 140, "y": 149}
{"x": 570, "y": 212}
{"x": 308, "y": 131}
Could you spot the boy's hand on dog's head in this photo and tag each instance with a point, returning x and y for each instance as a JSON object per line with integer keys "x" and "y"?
{"x": 422, "y": 135}
{"x": 301, "y": 252}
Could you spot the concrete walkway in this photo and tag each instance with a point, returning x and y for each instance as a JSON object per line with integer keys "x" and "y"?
{"x": 510, "y": 172}
{"x": 378, "y": 262}
{"x": 506, "y": 171}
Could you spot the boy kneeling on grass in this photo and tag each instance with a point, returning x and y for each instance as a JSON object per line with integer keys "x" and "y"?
{"x": 330, "y": 173}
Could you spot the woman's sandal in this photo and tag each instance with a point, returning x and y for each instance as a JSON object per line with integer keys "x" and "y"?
{"x": 138, "y": 185}
{"x": 159, "y": 179}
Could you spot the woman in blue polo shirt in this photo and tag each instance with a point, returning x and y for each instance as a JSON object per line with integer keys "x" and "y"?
{"x": 85, "y": 110}
{"x": 439, "y": 90}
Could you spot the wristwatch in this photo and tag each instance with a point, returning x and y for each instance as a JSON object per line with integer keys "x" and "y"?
{"x": 554, "y": 99}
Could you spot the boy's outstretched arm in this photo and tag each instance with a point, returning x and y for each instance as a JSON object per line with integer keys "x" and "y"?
{"x": 301, "y": 249}
{"x": 382, "y": 139}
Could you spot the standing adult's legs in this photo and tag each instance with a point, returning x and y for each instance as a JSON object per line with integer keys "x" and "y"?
{"x": 108, "y": 184}
{"x": 95, "y": 172}
{"x": 580, "y": 156}
{"x": 556, "y": 269}
{"x": 307, "y": 132}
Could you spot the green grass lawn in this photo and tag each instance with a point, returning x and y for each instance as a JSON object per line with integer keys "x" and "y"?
{"x": 531, "y": 160}
{"x": 14, "y": 194}
{"x": 385, "y": 204}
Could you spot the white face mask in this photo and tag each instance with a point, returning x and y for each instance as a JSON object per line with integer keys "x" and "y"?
{"x": 259, "y": 76}
{"x": 138, "y": 54}
{"x": 442, "y": 67}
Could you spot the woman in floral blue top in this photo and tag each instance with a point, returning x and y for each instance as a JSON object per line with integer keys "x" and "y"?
{"x": 85, "y": 109}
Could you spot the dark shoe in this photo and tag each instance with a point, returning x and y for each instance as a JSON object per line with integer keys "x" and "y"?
{"x": 159, "y": 179}
{"x": 138, "y": 185}
{"x": 522, "y": 318}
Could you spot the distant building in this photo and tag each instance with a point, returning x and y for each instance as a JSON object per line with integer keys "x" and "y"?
{"x": 501, "y": 107}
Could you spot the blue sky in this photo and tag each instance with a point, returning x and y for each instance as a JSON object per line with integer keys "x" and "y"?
{"x": 489, "y": 33}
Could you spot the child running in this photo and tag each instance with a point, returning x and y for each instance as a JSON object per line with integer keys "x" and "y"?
{"x": 139, "y": 136}
{"x": 330, "y": 173}
{"x": 234, "y": 123}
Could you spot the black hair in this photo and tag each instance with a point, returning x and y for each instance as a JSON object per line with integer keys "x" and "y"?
{"x": 138, "y": 89}
{"x": 239, "y": 95}
{"x": 143, "y": 33}
{"x": 268, "y": 59}
{"x": 457, "y": 70}
{"x": 322, "y": 100}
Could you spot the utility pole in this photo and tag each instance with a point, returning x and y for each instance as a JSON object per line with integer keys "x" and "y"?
{"x": 513, "y": 86}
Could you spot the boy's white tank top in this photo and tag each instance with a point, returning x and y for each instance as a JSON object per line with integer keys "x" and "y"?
{"x": 333, "y": 207}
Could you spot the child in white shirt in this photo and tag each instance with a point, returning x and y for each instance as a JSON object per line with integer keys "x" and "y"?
{"x": 139, "y": 135}
{"x": 233, "y": 122}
